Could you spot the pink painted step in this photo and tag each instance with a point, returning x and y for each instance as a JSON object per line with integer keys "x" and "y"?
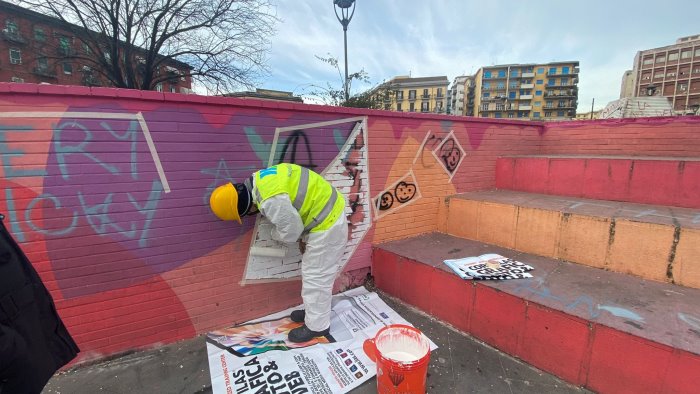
{"x": 609, "y": 332}
{"x": 646, "y": 180}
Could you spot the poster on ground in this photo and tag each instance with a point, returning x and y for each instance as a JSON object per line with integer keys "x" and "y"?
{"x": 489, "y": 267}
{"x": 256, "y": 357}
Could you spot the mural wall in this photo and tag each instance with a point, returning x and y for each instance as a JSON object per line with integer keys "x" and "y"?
{"x": 107, "y": 192}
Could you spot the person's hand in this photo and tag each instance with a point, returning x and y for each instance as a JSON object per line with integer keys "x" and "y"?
{"x": 302, "y": 246}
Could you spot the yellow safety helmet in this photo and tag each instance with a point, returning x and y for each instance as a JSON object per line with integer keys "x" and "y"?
{"x": 224, "y": 202}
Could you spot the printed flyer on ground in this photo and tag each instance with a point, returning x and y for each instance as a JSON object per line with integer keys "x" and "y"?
{"x": 256, "y": 357}
{"x": 489, "y": 267}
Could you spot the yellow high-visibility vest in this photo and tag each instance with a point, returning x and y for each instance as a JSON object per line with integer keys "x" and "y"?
{"x": 319, "y": 204}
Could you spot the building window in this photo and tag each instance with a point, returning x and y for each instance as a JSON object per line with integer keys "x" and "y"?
{"x": 412, "y": 107}
{"x": 513, "y": 85}
{"x": 670, "y": 74}
{"x": 487, "y": 95}
{"x": 64, "y": 46}
{"x": 659, "y": 74}
{"x": 538, "y": 103}
{"x": 511, "y": 95}
{"x": 425, "y": 93}
{"x": 661, "y": 59}
{"x": 501, "y": 85}
{"x": 398, "y": 107}
{"x": 11, "y": 27}
{"x": 686, "y": 54}
{"x": 39, "y": 34}
{"x": 67, "y": 68}
{"x": 549, "y": 104}
{"x": 497, "y": 115}
{"x": 565, "y": 70}
{"x": 682, "y": 87}
{"x": 86, "y": 49}
{"x": 560, "y": 114}
{"x": 425, "y": 106}
{"x": 173, "y": 89}
{"x": 564, "y": 81}
{"x": 17, "y": 79}
{"x": 538, "y": 92}
{"x": 487, "y": 85}
{"x": 535, "y": 114}
{"x": 673, "y": 56}
{"x": 548, "y": 114}
{"x": 439, "y": 92}
{"x": 487, "y": 74}
{"x": 510, "y": 114}
{"x": 159, "y": 87}
{"x": 42, "y": 64}
{"x": 540, "y": 82}
{"x": 399, "y": 95}
{"x": 15, "y": 56}
{"x": 550, "y": 82}
{"x": 540, "y": 70}
{"x": 553, "y": 70}
{"x": 697, "y": 52}
{"x": 562, "y": 103}
{"x": 411, "y": 95}
{"x": 648, "y": 61}
{"x": 501, "y": 73}
{"x": 646, "y": 76}
{"x": 514, "y": 73}
{"x": 484, "y": 107}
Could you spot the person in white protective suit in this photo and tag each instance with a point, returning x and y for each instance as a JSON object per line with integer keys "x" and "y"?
{"x": 304, "y": 208}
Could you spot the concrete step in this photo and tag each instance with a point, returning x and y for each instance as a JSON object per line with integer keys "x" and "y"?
{"x": 654, "y": 242}
{"x": 645, "y": 180}
{"x": 609, "y": 332}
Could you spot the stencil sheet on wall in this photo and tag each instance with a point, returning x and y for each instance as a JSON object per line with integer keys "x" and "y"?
{"x": 348, "y": 172}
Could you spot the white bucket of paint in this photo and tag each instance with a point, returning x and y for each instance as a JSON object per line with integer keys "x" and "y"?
{"x": 402, "y": 354}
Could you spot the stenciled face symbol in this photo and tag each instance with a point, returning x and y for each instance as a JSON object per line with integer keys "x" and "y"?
{"x": 386, "y": 201}
{"x": 404, "y": 192}
{"x": 450, "y": 155}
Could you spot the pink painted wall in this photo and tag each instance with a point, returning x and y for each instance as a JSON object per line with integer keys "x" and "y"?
{"x": 131, "y": 266}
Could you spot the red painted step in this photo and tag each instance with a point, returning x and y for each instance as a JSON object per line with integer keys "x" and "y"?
{"x": 609, "y": 332}
{"x": 646, "y": 180}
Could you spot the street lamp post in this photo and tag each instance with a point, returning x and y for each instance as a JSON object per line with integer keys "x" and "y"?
{"x": 346, "y": 14}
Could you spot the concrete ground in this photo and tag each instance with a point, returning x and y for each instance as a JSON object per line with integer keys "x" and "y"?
{"x": 461, "y": 364}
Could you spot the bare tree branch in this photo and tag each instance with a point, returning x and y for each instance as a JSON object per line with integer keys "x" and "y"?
{"x": 220, "y": 44}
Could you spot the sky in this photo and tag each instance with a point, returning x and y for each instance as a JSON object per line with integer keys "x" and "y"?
{"x": 387, "y": 38}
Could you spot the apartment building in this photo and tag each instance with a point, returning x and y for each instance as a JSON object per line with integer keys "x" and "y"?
{"x": 40, "y": 49}
{"x": 426, "y": 94}
{"x": 462, "y": 96}
{"x": 671, "y": 71}
{"x": 547, "y": 91}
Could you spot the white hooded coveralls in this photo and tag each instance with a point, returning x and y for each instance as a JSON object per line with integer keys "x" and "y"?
{"x": 321, "y": 262}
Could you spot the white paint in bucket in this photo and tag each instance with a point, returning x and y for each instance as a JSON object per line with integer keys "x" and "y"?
{"x": 402, "y": 345}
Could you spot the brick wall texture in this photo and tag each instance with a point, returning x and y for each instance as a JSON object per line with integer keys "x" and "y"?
{"x": 106, "y": 190}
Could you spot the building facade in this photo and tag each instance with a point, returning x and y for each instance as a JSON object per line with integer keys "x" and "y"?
{"x": 546, "y": 91}
{"x": 462, "y": 96}
{"x": 627, "y": 87}
{"x": 672, "y": 71}
{"x": 427, "y": 94}
{"x": 36, "y": 48}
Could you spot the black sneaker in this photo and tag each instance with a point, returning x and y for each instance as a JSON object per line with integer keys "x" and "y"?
{"x": 298, "y": 316}
{"x": 303, "y": 334}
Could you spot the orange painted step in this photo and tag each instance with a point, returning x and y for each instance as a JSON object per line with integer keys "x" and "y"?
{"x": 654, "y": 242}
{"x": 609, "y": 332}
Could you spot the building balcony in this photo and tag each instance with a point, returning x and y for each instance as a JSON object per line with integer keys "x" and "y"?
{"x": 424, "y": 96}
{"x": 411, "y": 98}
{"x": 14, "y": 37}
{"x": 527, "y": 86}
{"x": 528, "y": 75}
{"x": 65, "y": 51}
{"x": 525, "y": 97}
{"x": 524, "y": 107}
{"x": 565, "y": 93}
{"x": 44, "y": 72}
